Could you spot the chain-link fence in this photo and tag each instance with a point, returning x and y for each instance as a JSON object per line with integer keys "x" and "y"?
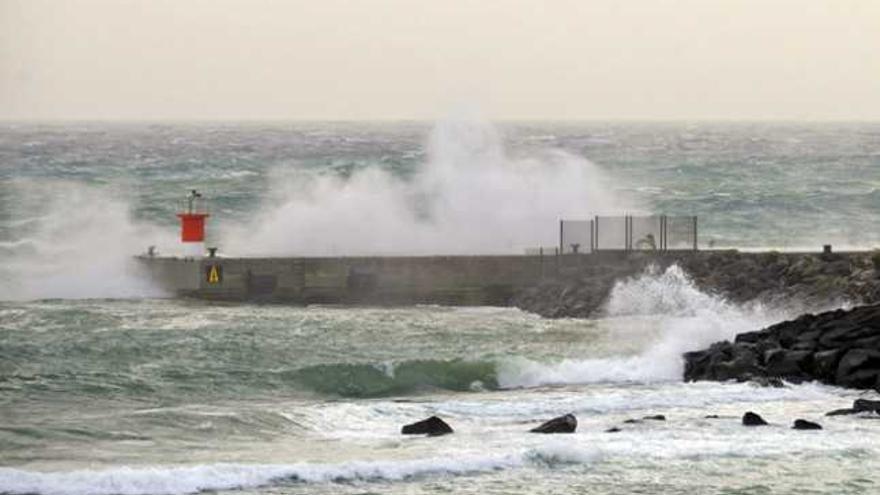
{"x": 628, "y": 233}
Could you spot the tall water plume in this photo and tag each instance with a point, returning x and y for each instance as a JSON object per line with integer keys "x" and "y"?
{"x": 468, "y": 197}
{"x": 72, "y": 240}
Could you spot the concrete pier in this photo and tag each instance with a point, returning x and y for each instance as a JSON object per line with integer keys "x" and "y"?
{"x": 450, "y": 280}
{"x": 532, "y": 282}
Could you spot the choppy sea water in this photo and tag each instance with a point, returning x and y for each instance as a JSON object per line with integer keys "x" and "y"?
{"x": 107, "y": 387}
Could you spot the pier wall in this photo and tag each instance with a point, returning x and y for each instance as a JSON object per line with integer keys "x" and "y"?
{"x": 454, "y": 280}
{"x": 448, "y": 280}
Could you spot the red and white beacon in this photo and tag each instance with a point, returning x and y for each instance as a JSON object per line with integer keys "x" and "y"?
{"x": 192, "y": 217}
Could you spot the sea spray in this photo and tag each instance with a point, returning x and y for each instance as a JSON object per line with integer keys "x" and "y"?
{"x": 73, "y": 241}
{"x": 685, "y": 318}
{"x": 468, "y": 197}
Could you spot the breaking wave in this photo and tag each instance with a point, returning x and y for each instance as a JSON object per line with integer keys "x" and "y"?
{"x": 405, "y": 377}
{"x": 186, "y": 480}
{"x": 685, "y": 319}
{"x": 676, "y": 315}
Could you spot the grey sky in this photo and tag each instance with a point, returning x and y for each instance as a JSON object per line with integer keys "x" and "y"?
{"x": 389, "y": 59}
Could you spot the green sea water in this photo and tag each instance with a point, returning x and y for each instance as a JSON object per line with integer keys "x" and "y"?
{"x": 108, "y": 387}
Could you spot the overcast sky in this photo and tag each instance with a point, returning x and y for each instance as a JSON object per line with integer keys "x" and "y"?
{"x": 417, "y": 59}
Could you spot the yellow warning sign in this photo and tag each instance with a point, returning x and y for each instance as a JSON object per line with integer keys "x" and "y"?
{"x": 215, "y": 274}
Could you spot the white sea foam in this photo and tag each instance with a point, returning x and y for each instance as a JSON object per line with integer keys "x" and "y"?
{"x": 687, "y": 319}
{"x": 469, "y": 197}
{"x": 184, "y": 480}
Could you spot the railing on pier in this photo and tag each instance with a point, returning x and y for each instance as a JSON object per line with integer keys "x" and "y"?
{"x": 628, "y": 233}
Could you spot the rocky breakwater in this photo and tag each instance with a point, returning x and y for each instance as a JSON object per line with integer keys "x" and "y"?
{"x": 839, "y": 347}
{"x": 583, "y": 283}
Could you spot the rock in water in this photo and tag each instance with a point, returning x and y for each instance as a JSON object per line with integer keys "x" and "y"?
{"x": 656, "y": 417}
{"x": 562, "y": 424}
{"x": 866, "y": 405}
{"x": 752, "y": 419}
{"x": 803, "y": 424}
{"x": 841, "y": 412}
{"x": 433, "y": 427}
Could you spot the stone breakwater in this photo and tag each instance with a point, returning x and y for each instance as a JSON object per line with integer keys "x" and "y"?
{"x": 809, "y": 280}
{"x": 839, "y": 347}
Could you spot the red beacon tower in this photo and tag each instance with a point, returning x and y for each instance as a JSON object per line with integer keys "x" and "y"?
{"x": 192, "y": 215}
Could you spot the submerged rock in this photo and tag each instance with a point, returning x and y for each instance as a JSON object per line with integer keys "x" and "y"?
{"x": 752, "y": 419}
{"x": 613, "y": 429}
{"x": 858, "y": 406}
{"x": 866, "y": 405}
{"x": 803, "y": 424}
{"x": 842, "y": 412}
{"x": 656, "y": 417}
{"x": 432, "y": 427}
{"x": 562, "y": 424}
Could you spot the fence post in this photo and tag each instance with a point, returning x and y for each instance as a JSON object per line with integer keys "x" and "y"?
{"x": 560, "y": 236}
{"x": 663, "y": 233}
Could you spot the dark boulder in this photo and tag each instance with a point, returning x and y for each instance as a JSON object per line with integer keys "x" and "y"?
{"x": 866, "y": 405}
{"x": 751, "y": 337}
{"x": 562, "y": 424}
{"x": 840, "y": 347}
{"x": 722, "y": 361}
{"x": 432, "y": 427}
{"x": 613, "y": 429}
{"x": 858, "y": 368}
{"x": 803, "y": 424}
{"x": 825, "y": 364}
{"x": 787, "y": 364}
{"x": 711, "y": 416}
{"x": 656, "y": 417}
{"x": 752, "y": 419}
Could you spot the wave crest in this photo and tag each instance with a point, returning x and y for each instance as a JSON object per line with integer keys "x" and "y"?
{"x": 186, "y": 480}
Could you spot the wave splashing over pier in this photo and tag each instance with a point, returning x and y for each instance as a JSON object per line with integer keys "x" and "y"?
{"x": 468, "y": 196}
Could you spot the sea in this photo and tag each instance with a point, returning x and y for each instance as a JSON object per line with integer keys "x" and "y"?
{"x": 109, "y": 386}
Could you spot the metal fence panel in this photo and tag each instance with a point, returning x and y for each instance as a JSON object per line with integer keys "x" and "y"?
{"x": 576, "y": 236}
{"x": 628, "y": 233}
{"x": 681, "y": 232}
{"x": 612, "y": 233}
{"x": 646, "y": 233}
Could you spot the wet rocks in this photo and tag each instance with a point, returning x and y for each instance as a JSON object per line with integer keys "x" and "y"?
{"x": 841, "y": 412}
{"x": 803, "y": 424}
{"x": 752, "y": 419}
{"x": 866, "y": 405}
{"x": 432, "y": 427}
{"x": 562, "y": 424}
{"x": 579, "y": 285}
{"x": 840, "y": 347}
{"x": 858, "y": 406}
